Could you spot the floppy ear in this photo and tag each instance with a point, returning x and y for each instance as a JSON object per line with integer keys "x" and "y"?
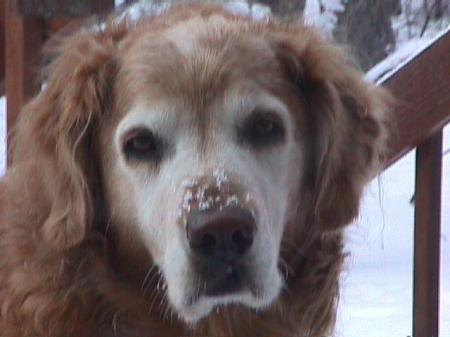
{"x": 348, "y": 123}
{"x": 56, "y": 130}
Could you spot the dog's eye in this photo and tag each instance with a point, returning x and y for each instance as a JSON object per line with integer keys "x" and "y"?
{"x": 263, "y": 129}
{"x": 142, "y": 144}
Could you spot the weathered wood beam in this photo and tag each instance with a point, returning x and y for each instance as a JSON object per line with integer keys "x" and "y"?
{"x": 422, "y": 91}
{"x": 68, "y": 8}
{"x": 2, "y": 47}
{"x": 24, "y": 38}
{"x": 55, "y": 31}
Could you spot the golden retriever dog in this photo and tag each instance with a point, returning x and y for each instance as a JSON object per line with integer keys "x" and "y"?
{"x": 187, "y": 174}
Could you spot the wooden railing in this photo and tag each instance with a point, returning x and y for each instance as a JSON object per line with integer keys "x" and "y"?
{"x": 2, "y": 47}
{"x": 421, "y": 88}
{"x": 27, "y": 24}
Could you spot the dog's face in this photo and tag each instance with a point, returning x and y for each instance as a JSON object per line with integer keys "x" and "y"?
{"x": 203, "y": 158}
{"x": 216, "y": 147}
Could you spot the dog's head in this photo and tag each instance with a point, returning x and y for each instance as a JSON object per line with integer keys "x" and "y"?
{"x": 210, "y": 140}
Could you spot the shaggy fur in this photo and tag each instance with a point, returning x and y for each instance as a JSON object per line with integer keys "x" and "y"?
{"x": 65, "y": 271}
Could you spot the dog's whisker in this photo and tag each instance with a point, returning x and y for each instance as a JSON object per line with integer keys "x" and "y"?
{"x": 288, "y": 270}
{"x": 147, "y": 276}
{"x": 114, "y": 323}
{"x": 108, "y": 226}
{"x": 152, "y": 303}
{"x": 162, "y": 301}
{"x": 167, "y": 311}
{"x": 149, "y": 284}
{"x": 156, "y": 293}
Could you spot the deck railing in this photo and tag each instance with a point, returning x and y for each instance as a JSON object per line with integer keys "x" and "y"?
{"x": 421, "y": 88}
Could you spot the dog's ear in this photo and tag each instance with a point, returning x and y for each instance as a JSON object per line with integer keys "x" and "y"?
{"x": 347, "y": 119}
{"x": 56, "y": 130}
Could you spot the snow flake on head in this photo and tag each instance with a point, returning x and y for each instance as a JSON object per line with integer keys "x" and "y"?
{"x": 144, "y": 8}
{"x": 232, "y": 200}
{"x": 187, "y": 201}
{"x": 189, "y": 182}
{"x": 255, "y": 11}
{"x": 220, "y": 177}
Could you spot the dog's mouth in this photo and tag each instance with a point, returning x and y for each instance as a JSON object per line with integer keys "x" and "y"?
{"x": 233, "y": 285}
{"x": 231, "y": 282}
{"x": 228, "y": 280}
{"x": 228, "y": 291}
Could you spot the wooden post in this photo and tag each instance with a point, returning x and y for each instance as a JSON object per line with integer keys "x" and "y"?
{"x": 24, "y": 38}
{"x": 427, "y": 237}
{"x": 2, "y": 47}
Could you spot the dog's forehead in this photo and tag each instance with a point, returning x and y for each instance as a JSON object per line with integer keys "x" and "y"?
{"x": 187, "y": 36}
{"x": 197, "y": 59}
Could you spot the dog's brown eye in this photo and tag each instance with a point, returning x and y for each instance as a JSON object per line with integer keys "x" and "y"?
{"x": 263, "y": 129}
{"x": 142, "y": 144}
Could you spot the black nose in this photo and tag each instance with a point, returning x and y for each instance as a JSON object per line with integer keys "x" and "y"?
{"x": 225, "y": 234}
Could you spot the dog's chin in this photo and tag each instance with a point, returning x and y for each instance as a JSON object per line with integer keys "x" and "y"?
{"x": 200, "y": 309}
{"x": 194, "y": 310}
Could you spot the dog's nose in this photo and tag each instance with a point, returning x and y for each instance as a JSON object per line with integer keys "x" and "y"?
{"x": 224, "y": 235}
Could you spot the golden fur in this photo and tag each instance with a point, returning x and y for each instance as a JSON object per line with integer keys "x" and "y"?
{"x": 63, "y": 275}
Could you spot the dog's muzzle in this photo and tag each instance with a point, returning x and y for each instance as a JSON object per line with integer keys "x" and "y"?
{"x": 219, "y": 240}
{"x": 220, "y": 227}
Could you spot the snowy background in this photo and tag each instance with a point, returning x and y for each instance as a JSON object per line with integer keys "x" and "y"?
{"x": 377, "y": 285}
{"x": 376, "y": 294}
